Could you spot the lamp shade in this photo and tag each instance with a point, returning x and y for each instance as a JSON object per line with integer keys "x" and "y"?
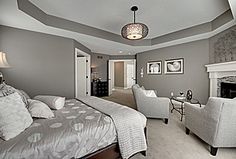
{"x": 3, "y": 61}
{"x": 134, "y": 31}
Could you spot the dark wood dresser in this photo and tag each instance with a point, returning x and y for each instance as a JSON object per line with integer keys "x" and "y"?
{"x": 99, "y": 88}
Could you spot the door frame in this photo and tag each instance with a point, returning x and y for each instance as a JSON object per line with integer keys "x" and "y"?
{"x": 123, "y": 60}
{"x": 88, "y": 71}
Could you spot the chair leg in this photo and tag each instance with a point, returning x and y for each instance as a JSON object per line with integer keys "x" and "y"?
{"x": 213, "y": 151}
{"x": 166, "y": 120}
{"x": 187, "y": 130}
{"x": 144, "y": 153}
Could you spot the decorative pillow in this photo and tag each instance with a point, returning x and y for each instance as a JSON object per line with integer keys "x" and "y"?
{"x": 149, "y": 93}
{"x": 25, "y": 94}
{"x": 6, "y": 90}
{"x": 54, "y": 102}
{"x": 23, "y": 97}
{"x": 14, "y": 117}
{"x": 39, "y": 109}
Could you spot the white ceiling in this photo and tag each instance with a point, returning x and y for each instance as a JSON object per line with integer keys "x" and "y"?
{"x": 161, "y": 16}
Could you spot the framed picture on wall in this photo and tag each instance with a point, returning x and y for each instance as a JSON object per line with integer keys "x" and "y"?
{"x": 174, "y": 66}
{"x": 154, "y": 67}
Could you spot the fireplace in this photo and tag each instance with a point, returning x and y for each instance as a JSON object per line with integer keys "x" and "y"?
{"x": 228, "y": 90}
{"x": 220, "y": 73}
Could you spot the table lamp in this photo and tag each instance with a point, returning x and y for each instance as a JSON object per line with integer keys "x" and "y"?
{"x": 3, "y": 64}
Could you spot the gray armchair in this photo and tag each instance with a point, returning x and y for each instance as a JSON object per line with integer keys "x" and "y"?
{"x": 214, "y": 123}
{"x": 149, "y": 104}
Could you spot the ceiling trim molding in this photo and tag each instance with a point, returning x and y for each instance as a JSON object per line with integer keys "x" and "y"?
{"x": 30, "y": 9}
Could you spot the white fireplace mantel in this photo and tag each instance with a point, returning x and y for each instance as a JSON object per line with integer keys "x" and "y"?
{"x": 219, "y": 70}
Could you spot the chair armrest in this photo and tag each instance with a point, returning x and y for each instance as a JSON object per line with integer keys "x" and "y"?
{"x": 193, "y": 108}
{"x": 158, "y": 99}
{"x": 157, "y": 102}
{"x": 193, "y": 111}
{"x": 200, "y": 122}
{"x": 194, "y": 117}
{"x": 155, "y": 107}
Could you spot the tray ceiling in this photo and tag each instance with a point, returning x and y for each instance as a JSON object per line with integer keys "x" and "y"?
{"x": 161, "y": 16}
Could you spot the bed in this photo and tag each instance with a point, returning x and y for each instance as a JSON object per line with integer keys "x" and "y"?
{"x": 79, "y": 130}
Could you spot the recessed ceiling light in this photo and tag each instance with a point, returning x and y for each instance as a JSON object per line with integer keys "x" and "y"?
{"x": 120, "y": 51}
{"x": 129, "y": 53}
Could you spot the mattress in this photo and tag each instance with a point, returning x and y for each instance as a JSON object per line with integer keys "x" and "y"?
{"x": 75, "y": 131}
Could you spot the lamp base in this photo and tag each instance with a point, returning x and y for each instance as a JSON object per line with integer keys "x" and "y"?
{"x": 1, "y": 78}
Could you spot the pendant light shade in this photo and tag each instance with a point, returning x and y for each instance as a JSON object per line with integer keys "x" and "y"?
{"x": 134, "y": 31}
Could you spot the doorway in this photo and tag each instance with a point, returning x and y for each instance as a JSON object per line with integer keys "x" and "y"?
{"x": 121, "y": 74}
{"x": 82, "y": 74}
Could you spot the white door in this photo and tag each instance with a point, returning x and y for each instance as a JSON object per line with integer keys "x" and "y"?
{"x": 134, "y": 72}
{"x": 81, "y": 76}
{"x": 131, "y": 74}
{"x": 110, "y": 76}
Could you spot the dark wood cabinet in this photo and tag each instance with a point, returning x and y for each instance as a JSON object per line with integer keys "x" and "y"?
{"x": 99, "y": 88}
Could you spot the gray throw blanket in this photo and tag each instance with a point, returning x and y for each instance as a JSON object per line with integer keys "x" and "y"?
{"x": 129, "y": 127}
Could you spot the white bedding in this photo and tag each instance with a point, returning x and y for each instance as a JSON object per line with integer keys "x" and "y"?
{"x": 128, "y": 122}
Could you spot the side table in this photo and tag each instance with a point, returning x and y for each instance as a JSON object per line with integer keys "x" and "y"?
{"x": 181, "y": 100}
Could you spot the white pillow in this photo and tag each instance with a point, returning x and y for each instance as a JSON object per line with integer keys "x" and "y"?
{"x": 54, "y": 102}
{"x": 14, "y": 117}
{"x": 149, "y": 93}
{"x": 39, "y": 109}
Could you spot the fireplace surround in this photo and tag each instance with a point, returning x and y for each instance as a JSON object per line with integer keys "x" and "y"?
{"x": 219, "y": 71}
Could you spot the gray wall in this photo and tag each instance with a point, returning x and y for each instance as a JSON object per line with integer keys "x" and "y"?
{"x": 119, "y": 74}
{"x": 99, "y": 61}
{"x": 223, "y": 46}
{"x": 195, "y": 77}
{"x": 41, "y": 63}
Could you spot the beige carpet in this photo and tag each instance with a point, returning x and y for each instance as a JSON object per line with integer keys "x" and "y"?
{"x": 122, "y": 96}
{"x": 170, "y": 141}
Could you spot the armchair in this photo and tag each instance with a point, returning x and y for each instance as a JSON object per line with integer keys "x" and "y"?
{"x": 149, "y": 104}
{"x": 214, "y": 123}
